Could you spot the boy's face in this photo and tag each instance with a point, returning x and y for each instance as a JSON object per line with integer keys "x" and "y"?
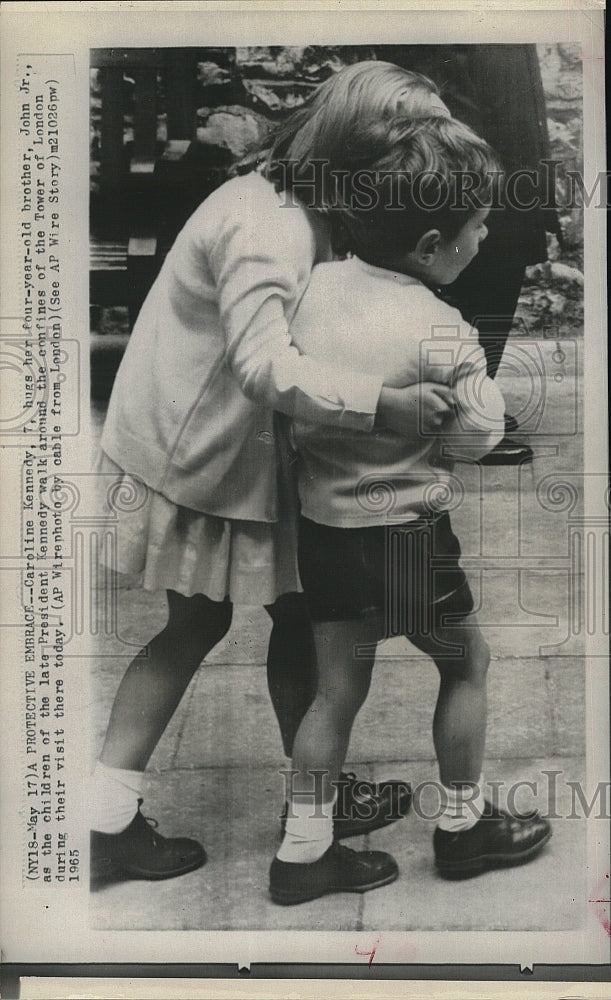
{"x": 453, "y": 254}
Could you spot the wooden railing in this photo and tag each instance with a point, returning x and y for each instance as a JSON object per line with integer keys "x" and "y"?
{"x": 145, "y": 188}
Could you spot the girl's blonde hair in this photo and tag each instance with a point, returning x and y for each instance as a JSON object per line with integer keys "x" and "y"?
{"x": 321, "y": 131}
{"x": 367, "y": 89}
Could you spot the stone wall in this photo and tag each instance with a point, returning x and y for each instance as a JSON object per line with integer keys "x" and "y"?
{"x": 552, "y": 298}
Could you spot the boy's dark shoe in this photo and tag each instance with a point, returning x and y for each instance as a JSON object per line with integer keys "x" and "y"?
{"x": 140, "y": 852}
{"x": 339, "y": 870}
{"x": 511, "y": 424}
{"x": 497, "y": 840}
{"x": 363, "y": 806}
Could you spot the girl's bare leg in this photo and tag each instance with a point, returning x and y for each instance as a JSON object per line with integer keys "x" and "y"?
{"x": 157, "y": 678}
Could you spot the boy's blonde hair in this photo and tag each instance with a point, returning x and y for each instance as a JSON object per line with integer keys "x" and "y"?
{"x": 406, "y": 177}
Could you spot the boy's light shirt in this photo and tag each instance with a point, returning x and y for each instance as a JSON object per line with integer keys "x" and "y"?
{"x": 354, "y": 315}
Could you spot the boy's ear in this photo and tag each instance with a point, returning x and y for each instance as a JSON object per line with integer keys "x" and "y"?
{"x": 428, "y": 246}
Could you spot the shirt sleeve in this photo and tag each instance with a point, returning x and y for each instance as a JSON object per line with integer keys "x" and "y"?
{"x": 260, "y": 266}
{"x": 479, "y": 423}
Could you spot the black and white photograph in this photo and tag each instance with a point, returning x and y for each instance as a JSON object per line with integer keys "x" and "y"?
{"x": 277, "y": 551}
{"x": 308, "y": 547}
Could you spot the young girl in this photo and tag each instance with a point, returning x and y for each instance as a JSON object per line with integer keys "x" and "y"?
{"x": 191, "y": 417}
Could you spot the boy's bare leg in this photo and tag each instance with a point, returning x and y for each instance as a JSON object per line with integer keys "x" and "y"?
{"x": 292, "y": 678}
{"x": 472, "y": 835}
{"x": 310, "y": 863}
{"x": 459, "y": 724}
{"x": 344, "y": 676}
{"x": 291, "y": 665}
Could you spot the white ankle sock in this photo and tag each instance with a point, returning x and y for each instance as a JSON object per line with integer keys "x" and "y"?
{"x": 114, "y": 797}
{"x": 462, "y": 807}
{"x": 307, "y": 836}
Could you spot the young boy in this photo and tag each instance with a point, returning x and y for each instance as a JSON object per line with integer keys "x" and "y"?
{"x": 376, "y": 546}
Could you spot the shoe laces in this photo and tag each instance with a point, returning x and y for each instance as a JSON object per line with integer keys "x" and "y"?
{"x": 151, "y": 823}
{"x": 341, "y": 851}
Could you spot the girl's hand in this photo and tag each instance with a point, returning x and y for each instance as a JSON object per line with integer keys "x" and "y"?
{"x": 415, "y": 411}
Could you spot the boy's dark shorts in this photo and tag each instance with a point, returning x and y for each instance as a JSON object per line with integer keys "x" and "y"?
{"x": 407, "y": 572}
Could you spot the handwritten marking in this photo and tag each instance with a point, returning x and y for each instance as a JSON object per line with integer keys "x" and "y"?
{"x": 602, "y": 904}
{"x": 368, "y": 954}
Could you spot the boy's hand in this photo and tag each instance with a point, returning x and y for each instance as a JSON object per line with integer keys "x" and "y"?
{"x": 415, "y": 410}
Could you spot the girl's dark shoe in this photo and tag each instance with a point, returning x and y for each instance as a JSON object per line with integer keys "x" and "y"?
{"x": 497, "y": 840}
{"x": 140, "y": 852}
{"x": 363, "y": 806}
{"x": 339, "y": 870}
{"x": 508, "y": 452}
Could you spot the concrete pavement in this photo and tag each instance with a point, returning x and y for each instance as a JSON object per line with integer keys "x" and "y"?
{"x": 215, "y": 776}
